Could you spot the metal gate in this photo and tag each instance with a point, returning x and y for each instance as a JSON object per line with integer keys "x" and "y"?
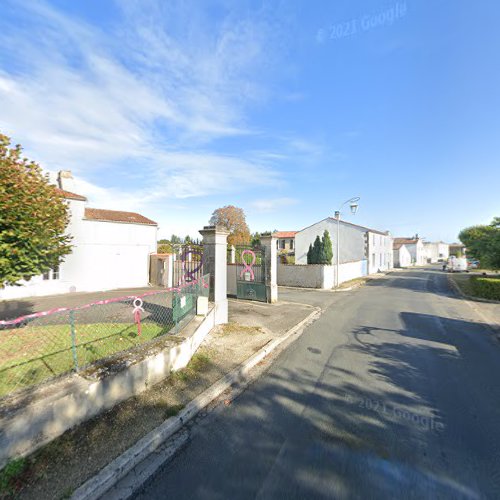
{"x": 251, "y": 273}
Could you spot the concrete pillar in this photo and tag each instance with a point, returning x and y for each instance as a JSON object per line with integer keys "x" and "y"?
{"x": 170, "y": 270}
{"x": 233, "y": 254}
{"x": 215, "y": 263}
{"x": 270, "y": 244}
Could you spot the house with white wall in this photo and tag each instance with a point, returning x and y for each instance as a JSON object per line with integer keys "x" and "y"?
{"x": 437, "y": 251}
{"x": 415, "y": 247}
{"x": 402, "y": 256}
{"x": 363, "y": 250}
{"x": 110, "y": 249}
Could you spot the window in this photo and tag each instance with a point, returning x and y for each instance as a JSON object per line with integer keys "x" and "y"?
{"x": 51, "y": 274}
{"x": 373, "y": 259}
{"x": 282, "y": 242}
{"x": 381, "y": 260}
{"x": 291, "y": 244}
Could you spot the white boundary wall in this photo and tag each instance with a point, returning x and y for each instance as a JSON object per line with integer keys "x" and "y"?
{"x": 317, "y": 275}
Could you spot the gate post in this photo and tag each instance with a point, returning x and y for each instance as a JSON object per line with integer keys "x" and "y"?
{"x": 215, "y": 263}
{"x": 269, "y": 242}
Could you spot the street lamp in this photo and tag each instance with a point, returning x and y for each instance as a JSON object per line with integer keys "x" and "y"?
{"x": 353, "y": 204}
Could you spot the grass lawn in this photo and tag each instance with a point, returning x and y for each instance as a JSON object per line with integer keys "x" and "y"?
{"x": 31, "y": 354}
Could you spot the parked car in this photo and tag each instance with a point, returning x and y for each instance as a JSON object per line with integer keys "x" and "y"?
{"x": 457, "y": 264}
{"x": 473, "y": 263}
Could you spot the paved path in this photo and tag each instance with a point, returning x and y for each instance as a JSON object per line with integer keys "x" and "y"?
{"x": 393, "y": 393}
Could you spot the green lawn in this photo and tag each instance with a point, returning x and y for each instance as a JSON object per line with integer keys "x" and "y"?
{"x": 31, "y": 354}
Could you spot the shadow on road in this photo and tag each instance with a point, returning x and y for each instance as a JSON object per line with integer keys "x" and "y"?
{"x": 406, "y": 425}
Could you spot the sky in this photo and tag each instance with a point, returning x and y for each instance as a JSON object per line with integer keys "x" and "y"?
{"x": 283, "y": 108}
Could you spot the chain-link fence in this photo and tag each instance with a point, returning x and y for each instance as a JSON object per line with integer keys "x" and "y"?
{"x": 44, "y": 345}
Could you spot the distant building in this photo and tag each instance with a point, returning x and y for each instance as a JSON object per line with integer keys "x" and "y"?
{"x": 110, "y": 249}
{"x": 402, "y": 256}
{"x": 436, "y": 251}
{"x": 415, "y": 247}
{"x": 285, "y": 241}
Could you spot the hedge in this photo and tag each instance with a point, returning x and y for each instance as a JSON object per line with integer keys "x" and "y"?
{"x": 487, "y": 288}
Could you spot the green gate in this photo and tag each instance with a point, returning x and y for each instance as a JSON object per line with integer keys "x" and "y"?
{"x": 251, "y": 273}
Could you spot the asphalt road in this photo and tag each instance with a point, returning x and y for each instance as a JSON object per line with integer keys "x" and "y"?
{"x": 393, "y": 393}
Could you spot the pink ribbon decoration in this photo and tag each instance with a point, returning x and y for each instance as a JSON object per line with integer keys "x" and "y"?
{"x": 248, "y": 267}
{"x": 190, "y": 274}
{"x": 137, "y": 313}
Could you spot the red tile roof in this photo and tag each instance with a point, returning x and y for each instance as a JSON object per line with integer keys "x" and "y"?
{"x": 285, "y": 234}
{"x": 117, "y": 216}
{"x": 70, "y": 196}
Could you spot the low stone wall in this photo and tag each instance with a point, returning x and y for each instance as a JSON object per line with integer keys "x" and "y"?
{"x": 44, "y": 413}
{"x": 318, "y": 275}
{"x": 308, "y": 276}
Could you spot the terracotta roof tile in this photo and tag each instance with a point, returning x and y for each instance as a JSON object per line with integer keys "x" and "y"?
{"x": 117, "y": 216}
{"x": 405, "y": 241}
{"x": 70, "y": 196}
{"x": 285, "y": 234}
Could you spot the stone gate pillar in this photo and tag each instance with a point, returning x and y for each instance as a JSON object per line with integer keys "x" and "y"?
{"x": 215, "y": 263}
{"x": 270, "y": 244}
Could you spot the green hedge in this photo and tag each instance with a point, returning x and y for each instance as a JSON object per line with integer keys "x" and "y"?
{"x": 487, "y": 288}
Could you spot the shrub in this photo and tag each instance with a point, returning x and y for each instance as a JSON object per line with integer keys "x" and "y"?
{"x": 487, "y": 288}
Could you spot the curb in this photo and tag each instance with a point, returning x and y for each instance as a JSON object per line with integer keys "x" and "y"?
{"x": 109, "y": 476}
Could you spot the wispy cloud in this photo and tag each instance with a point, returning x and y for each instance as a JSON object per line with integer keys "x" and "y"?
{"x": 144, "y": 101}
{"x": 272, "y": 204}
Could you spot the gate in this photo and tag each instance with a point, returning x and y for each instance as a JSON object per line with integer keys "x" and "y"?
{"x": 188, "y": 265}
{"x": 251, "y": 273}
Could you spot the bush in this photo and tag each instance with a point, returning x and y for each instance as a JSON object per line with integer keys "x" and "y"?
{"x": 486, "y": 288}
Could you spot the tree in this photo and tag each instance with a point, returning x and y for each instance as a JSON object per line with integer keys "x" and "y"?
{"x": 175, "y": 240}
{"x": 316, "y": 251}
{"x": 328, "y": 250}
{"x": 483, "y": 243}
{"x": 187, "y": 240}
{"x": 234, "y": 220}
{"x": 164, "y": 247}
{"x": 255, "y": 240}
{"x": 33, "y": 218}
{"x": 310, "y": 253}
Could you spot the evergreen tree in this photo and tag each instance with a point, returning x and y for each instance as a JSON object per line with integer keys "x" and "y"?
{"x": 316, "y": 251}
{"x": 327, "y": 246}
{"x": 310, "y": 254}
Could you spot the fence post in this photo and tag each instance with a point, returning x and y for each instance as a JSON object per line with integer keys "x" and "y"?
{"x": 215, "y": 263}
{"x": 233, "y": 254}
{"x": 271, "y": 256}
{"x": 73, "y": 338}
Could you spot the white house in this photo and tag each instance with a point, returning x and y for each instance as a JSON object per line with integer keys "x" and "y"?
{"x": 362, "y": 250}
{"x": 402, "y": 256}
{"x": 110, "y": 250}
{"x": 436, "y": 251}
{"x": 415, "y": 247}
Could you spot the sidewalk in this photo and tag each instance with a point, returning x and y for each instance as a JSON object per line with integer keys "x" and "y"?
{"x": 57, "y": 469}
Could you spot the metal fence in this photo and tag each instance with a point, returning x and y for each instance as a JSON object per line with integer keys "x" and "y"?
{"x": 44, "y": 345}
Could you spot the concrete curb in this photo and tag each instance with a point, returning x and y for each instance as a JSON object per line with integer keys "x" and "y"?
{"x": 110, "y": 475}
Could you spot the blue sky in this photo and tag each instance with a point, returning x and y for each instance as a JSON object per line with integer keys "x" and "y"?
{"x": 284, "y": 108}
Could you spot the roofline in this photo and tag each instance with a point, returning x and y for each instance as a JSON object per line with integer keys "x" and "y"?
{"x": 122, "y": 222}
{"x": 367, "y": 229}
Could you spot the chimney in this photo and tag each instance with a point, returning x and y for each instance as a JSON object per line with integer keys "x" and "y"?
{"x": 65, "y": 180}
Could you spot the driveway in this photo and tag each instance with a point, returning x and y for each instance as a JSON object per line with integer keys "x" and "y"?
{"x": 393, "y": 393}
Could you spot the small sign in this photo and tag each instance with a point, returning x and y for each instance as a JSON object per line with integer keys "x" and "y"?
{"x": 183, "y": 302}
{"x": 247, "y": 276}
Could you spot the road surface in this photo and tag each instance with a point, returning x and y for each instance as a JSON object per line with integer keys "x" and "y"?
{"x": 393, "y": 393}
